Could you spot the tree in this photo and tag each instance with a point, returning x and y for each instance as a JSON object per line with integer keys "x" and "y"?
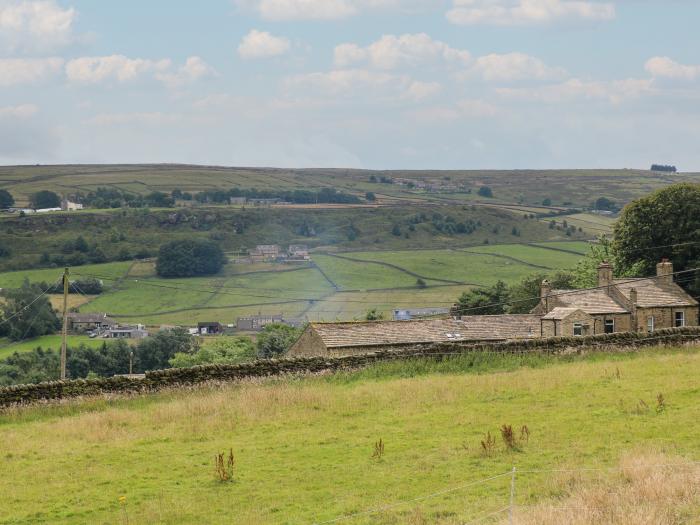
{"x": 155, "y": 352}
{"x": 663, "y": 224}
{"x": 159, "y": 199}
{"x": 220, "y": 351}
{"x": 6, "y": 200}
{"x": 370, "y": 196}
{"x": 190, "y": 257}
{"x": 396, "y": 230}
{"x": 546, "y": 201}
{"x": 44, "y": 199}
{"x": 275, "y": 339}
{"x": 484, "y": 301}
{"x": 524, "y": 295}
{"x": 485, "y": 191}
{"x": 27, "y": 313}
{"x": 81, "y": 245}
{"x": 663, "y": 167}
{"x": 586, "y": 272}
{"x": 420, "y": 283}
{"x": 5, "y": 251}
{"x": 603, "y": 203}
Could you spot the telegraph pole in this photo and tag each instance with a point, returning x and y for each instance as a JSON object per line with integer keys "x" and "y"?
{"x": 64, "y": 332}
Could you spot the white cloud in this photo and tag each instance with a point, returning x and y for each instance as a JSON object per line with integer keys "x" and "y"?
{"x": 93, "y": 70}
{"x": 119, "y": 68}
{"x": 615, "y": 92}
{"x": 261, "y": 44}
{"x": 15, "y": 71}
{"x": 523, "y": 12}
{"x": 418, "y": 90}
{"x": 34, "y": 25}
{"x": 193, "y": 69}
{"x": 329, "y": 9}
{"x": 151, "y": 119}
{"x": 666, "y": 67}
{"x": 392, "y": 51}
{"x": 22, "y": 111}
{"x": 343, "y": 81}
{"x": 514, "y": 66}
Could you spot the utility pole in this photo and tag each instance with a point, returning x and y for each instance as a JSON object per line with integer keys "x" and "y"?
{"x": 64, "y": 332}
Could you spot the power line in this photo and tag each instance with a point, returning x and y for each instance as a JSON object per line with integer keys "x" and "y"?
{"x": 21, "y": 310}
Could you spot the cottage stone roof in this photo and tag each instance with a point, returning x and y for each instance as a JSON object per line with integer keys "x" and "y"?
{"x": 561, "y": 312}
{"x": 468, "y": 328}
{"x": 89, "y": 318}
{"x": 654, "y": 292}
{"x": 591, "y": 301}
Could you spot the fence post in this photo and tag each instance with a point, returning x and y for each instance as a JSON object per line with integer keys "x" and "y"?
{"x": 512, "y": 496}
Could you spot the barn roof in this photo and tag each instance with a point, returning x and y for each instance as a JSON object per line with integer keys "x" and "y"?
{"x": 468, "y": 328}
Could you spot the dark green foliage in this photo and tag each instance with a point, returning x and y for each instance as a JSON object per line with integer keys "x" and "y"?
{"x": 5, "y": 251}
{"x": 396, "y": 230}
{"x": 420, "y": 283}
{"x": 6, "y": 200}
{"x": 546, "y": 201}
{"x": 370, "y": 196}
{"x": 159, "y": 199}
{"x": 663, "y": 167}
{"x": 188, "y": 258}
{"x": 484, "y": 301}
{"x": 524, "y": 296}
{"x": 81, "y": 245}
{"x": 27, "y": 314}
{"x": 663, "y": 224}
{"x": 238, "y": 350}
{"x": 30, "y": 367}
{"x": 324, "y": 195}
{"x": 374, "y": 315}
{"x": 108, "y": 360}
{"x": 155, "y": 352}
{"x": 45, "y": 199}
{"x": 485, "y": 191}
{"x": 275, "y": 339}
{"x": 603, "y": 203}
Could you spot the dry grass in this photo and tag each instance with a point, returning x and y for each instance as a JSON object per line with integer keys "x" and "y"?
{"x": 649, "y": 489}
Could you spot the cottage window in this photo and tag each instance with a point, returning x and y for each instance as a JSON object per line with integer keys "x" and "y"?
{"x": 650, "y": 324}
{"x": 578, "y": 329}
{"x": 609, "y": 326}
{"x": 680, "y": 319}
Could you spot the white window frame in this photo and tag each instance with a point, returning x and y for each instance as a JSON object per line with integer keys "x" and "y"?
{"x": 682, "y": 319}
{"x": 605, "y": 326}
{"x": 578, "y": 326}
{"x": 651, "y": 324}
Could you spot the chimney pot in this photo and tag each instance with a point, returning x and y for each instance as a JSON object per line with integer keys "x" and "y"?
{"x": 605, "y": 274}
{"x": 664, "y": 271}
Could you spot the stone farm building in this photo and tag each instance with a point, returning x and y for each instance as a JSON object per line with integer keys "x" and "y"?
{"x": 358, "y": 337}
{"x": 617, "y": 305}
{"x": 91, "y": 321}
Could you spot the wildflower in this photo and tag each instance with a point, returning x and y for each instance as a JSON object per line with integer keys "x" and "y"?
{"x": 122, "y": 499}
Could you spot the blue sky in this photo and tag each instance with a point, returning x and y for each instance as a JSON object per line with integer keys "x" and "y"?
{"x": 444, "y": 84}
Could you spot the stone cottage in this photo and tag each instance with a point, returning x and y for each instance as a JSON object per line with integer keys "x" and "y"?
{"x": 617, "y": 305}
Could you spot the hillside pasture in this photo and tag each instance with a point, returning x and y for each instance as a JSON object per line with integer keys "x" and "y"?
{"x": 304, "y": 448}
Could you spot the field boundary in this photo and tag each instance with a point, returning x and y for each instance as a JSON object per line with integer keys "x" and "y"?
{"x": 178, "y": 377}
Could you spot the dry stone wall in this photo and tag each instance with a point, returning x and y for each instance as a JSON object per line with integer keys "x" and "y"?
{"x": 173, "y": 377}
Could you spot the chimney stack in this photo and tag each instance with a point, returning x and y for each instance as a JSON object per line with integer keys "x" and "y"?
{"x": 633, "y": 296}
{"x": 545, "y": 289}
{"x": 605, "y": 274}
{"x": 664, "y": 271}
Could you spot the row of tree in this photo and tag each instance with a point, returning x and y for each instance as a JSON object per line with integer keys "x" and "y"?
{"x": 165, "y": 349}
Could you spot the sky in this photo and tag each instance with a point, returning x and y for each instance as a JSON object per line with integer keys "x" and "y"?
{"x": 380, "y": 84}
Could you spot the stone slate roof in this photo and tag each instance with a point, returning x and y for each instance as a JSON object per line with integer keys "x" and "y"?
{"x": 591, "y": 301}
{"x": 89, "y": 318}
{"x": 652, "y": 292}
{"x": 468, "y": 328}
{"x": 561, "y": 312}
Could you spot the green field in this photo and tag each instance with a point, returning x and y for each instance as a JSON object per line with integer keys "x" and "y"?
{"x": 525, "y": 189}
{"x": 8, "y": 348}
{"x": 303, "y": 447}
{"x": 384, "y": 280}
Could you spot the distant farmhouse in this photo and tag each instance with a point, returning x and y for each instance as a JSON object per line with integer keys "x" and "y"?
{"x": 298, "y": 252}
{"x": 78, "y": 322}
{"x": 418, "y": 313}
{"x": 617, "y": 305}
{"x": 255, "y": 323}
{"x": 209, "y": 328}
{"x": 126, "y": 332}
{"x": 265, "y": 252}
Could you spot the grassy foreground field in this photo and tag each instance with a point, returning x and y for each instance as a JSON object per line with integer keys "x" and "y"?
{"x": 303, "y": 447}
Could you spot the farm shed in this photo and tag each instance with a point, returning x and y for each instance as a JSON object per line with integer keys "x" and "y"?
{"x": 360, "y": 337}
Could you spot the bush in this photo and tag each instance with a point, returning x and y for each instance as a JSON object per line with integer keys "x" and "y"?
{"x": 485, "y": 191}
{"x": 6, "y": 199}
{"x": 188, "y": 258}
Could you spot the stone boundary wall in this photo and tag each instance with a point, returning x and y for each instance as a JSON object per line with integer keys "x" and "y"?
{"x": 173, "y": 377}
